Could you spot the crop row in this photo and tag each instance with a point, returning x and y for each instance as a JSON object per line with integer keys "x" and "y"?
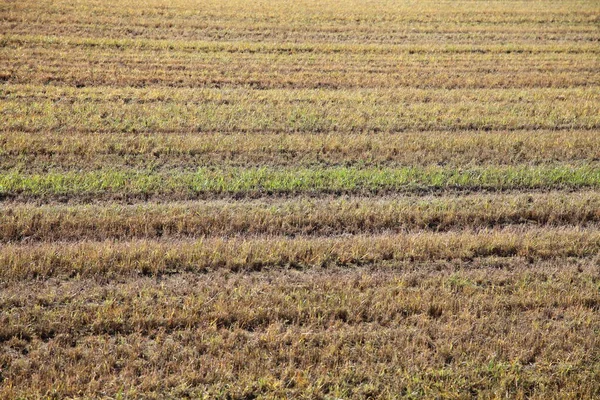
{"x": 219, "y": 65}
{"x": 445, "y": 330}
{"x": 335, "y": 111}
{"x": 110, "y": 258}
{"x": 299, "y": 216}
{"x": 306, "y": 21}
{"x": 164, "y": 151}
{"x": 260, "y": 181}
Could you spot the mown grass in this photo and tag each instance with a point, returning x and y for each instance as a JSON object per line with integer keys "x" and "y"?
{"x": 461, "y": 260}
{"x": 249, "y": 181}
{"x": 322, "y": 111}
{"x": 41, "y": 152}
{"x": 495, "y": 328}
{"x": 288, "y": 47}
{"x": 509, "y": 69}
{"x": 311, "y": 21}
{"x": 438, "y": 62}
{"x": 155, "y": 257}
{"x": 297, "y": 216}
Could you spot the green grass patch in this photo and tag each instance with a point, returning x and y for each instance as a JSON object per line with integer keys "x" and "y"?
{"x": 295, "y": 180}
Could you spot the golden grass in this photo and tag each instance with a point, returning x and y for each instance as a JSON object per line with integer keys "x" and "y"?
{"x": 306, "y": 111}
{"x": 157, "y": 257}
{"x": 297, "y": 216}
{"x": 483, "y": 282}
{"x": 182, "y": 64}
{"x": 493, "y": 329}
{"x": 89, "y": 151}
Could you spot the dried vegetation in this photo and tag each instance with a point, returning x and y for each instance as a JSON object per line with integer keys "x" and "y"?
{"x": 308, "y": 199}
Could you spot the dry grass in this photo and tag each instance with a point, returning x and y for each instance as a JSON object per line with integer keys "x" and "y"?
{"x": 280, "y": 110}
{"x": 491, "y": 328}
{"x": 159, "y": 64}
{"x": 297, "y": 216}
{"x": 164, "y": 151}
{"x": 158, "y": 257}
{"x": 311, "y": 199}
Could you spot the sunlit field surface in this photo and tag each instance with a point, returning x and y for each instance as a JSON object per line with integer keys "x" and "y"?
{"x": 299, "y": 199}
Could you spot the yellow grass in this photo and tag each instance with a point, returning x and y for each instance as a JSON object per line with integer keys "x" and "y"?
{"x": 309, "y": 199}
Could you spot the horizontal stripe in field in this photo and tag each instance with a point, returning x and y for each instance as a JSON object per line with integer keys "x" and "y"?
{"x": 107, "y": 258}
{"x": 363, "y": 99}
{"x": 206, "y": 181}
{"x": 418, "y": 33}
{"x": 373, "y": 22}
{"x": 297, "y": 216}
{"x": 253, "y": 47}
{"x": 33, "y": 153}
{"x": 61, "y": 109}
{"x": 296, "y": 68}
{"x": 309, "y": 300}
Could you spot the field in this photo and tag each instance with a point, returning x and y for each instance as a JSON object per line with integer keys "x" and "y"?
{"x": 299, "y": 199}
